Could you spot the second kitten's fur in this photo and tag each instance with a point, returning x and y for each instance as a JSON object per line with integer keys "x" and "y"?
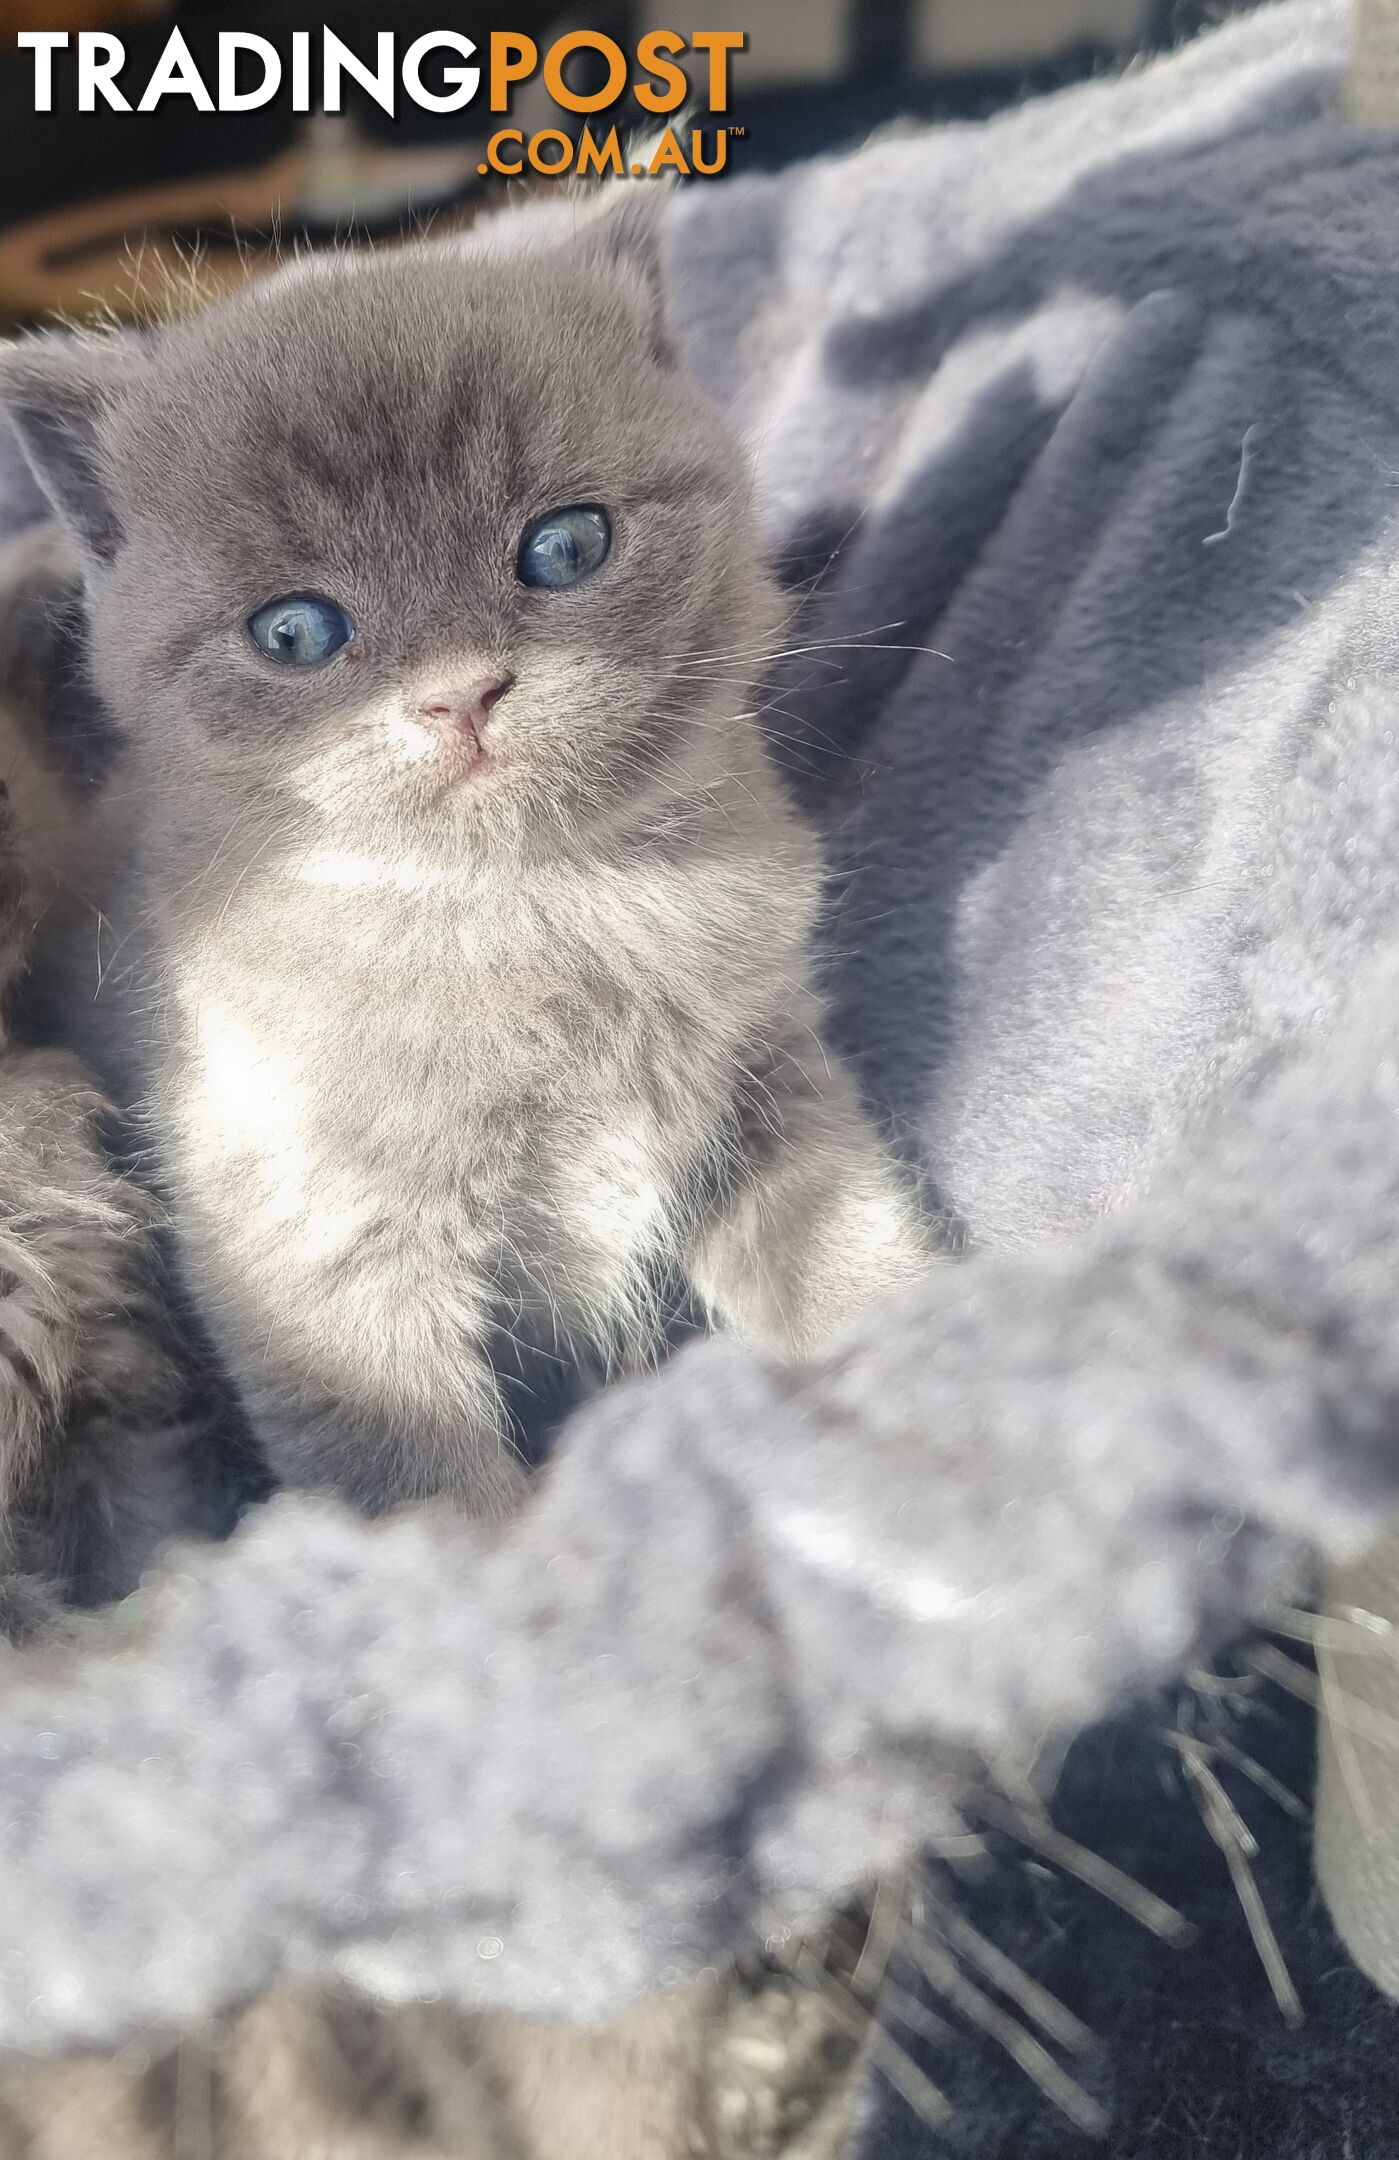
{"x": 97, "y": 1445}
{"x": 465, "y": 1023}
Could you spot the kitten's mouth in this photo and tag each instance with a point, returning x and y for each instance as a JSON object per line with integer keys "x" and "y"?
{"x": 458, "y": 763}
{"x": 481, "y": 764}
{"x": 472, "y": 764}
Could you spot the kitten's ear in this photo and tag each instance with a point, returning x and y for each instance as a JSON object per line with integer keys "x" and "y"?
{"x": 611, "y": 224}
{"x": 57, "y": 392}
{"x": 623, "y": 228}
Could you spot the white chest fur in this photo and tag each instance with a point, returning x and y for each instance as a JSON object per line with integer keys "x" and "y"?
{"x": 517, "y": 1081}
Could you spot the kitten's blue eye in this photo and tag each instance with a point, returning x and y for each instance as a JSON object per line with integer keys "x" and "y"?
{"x": 563, "y": 546}
{"x": 300, "y": 631}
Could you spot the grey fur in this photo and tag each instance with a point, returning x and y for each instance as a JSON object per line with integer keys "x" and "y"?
{"x": 95, "y": 1413}
{"x": 437, "y": 1061}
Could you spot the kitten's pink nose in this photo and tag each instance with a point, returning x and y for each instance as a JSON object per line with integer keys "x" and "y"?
{"x": 468, "y": 708}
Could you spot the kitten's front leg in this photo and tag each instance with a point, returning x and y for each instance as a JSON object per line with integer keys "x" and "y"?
{"x": 378, "y": 1462}
{"x": 367, "y": 1376}
{"x": 815, "y": 1220}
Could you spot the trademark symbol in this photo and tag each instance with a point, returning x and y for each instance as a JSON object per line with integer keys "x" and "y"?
{"x": 736, "y": 132}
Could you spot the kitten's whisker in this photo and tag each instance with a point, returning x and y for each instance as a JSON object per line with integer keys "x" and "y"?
{"x": 768, "y": 652}
{"x": 706, "y": 666}
{"x": 833, "y": 553}
{"x": 246, "y": 872}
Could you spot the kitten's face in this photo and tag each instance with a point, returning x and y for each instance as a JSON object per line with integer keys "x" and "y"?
{"x": 343, "y": 580}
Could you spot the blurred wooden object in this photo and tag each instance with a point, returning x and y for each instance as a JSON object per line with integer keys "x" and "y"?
{"x": 17, "y": 15}
{"x": 954, "y": 34}
{"x": 143, "y": 254}
{"x": 1373, "y": 87}
{"x": 123, "y": 255}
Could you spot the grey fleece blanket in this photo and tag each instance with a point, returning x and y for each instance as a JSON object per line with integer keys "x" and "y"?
{"x": 1079, "y": 433}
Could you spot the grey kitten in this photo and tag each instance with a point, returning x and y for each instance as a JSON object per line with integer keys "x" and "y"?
{"x": 427, "y": 593}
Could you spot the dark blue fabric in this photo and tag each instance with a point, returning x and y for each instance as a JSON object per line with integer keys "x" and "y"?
{"x": 1194, "y": 2059}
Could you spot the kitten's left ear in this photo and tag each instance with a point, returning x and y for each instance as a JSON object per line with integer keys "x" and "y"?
{"x": 58, "y": 392}
{"x": 613, "y": 225}
{"x": 623, "y": 228}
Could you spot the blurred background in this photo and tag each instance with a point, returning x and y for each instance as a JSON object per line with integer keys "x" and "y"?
{"x": 97, "y": 209}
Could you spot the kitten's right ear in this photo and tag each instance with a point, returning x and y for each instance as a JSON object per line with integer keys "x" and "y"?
{"x": 57, "y": 391}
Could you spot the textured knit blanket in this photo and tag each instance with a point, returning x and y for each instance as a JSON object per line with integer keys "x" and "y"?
{"x": 1078, "y": 435}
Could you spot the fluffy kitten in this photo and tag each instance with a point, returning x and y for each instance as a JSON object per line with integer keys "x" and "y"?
{"x": 427, "y": 594}
{"x": 466, "y": 947}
